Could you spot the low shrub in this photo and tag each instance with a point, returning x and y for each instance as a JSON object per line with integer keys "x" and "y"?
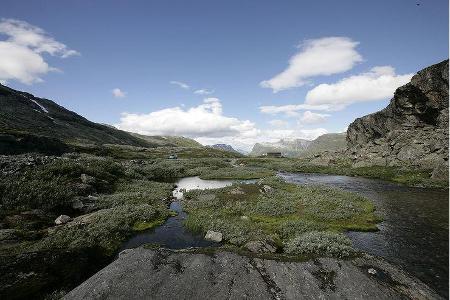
{"x": 322, "y": 243}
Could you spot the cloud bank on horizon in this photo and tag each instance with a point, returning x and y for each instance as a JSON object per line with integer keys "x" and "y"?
{"x": 207, "y": 124}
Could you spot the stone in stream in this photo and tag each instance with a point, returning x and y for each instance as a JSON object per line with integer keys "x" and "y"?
{"x": 185, "y": 274}
{"x": 213, "y": 236}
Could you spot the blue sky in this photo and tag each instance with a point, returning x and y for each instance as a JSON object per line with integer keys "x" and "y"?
{"x": 229, "y": 47}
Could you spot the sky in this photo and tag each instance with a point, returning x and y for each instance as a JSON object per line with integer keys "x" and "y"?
{"x": 236, "y": 72}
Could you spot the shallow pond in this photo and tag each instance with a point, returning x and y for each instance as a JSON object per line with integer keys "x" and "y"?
{"x": 414, "y": 232}
{"x": 172, "y": 234}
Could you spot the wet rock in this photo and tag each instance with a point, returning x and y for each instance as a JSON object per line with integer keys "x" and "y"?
{"x": 86, "y": 179}
{"x": 164, "y": 274}
{"x": 62, "y": 219}
{"x": 213, "y": 236}
{"x": 260, "y": 247}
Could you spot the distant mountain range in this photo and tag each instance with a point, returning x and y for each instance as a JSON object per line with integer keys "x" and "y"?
{"x": 301, "y": 147}
{"x": 226, "y": 147}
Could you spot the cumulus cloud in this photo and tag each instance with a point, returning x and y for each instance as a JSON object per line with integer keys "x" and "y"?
{"x": 309, "y": 117}
{"x": 204, "y": 92}
{"x": 21, "y": 54}
{"x": 324, "y": 56}
{"x": 291, "y": 110}
{"x": 377, "y": 84}
{"x": 181, "y": 84}
{"x": 207, "y": 124}
{"x": 118, "y": 93}
{"x": 204, "y": 120}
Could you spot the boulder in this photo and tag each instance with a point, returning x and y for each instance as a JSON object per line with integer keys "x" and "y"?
{"x": 260, "y": 247}
{"x": 267, "y": 188}
{"x": 77, "y": 204}
{"x": 62, "y": 219}
{"x": 86, "y": 179}
{"x": 213, "y": 236}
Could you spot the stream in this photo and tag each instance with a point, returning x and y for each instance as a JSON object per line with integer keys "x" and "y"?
{"x": 172, "y": 234}
{"x": 414, "y": 232}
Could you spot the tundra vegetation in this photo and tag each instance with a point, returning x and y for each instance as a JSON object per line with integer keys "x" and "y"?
{"x": 303, "y": 220}
{"x": 112, "y": 191}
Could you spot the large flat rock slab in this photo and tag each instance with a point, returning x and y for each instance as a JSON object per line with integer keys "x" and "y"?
{"x": 165, "y": 274}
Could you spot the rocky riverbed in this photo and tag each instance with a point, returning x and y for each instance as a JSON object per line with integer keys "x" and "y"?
{"x": 187, "y": 274}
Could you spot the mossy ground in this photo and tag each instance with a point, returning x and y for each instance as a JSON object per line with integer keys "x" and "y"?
{"x": 131, "y": 192}
{"x": 342, "y": 166}
{"x": 281, "y": 212}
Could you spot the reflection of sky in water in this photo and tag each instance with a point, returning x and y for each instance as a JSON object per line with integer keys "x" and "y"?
{"x": 172, "y": 233}
{"x": 414, "y": 233}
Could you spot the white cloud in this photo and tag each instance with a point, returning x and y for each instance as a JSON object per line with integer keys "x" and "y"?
{"x": 324, "y": 56}
{"x": 21, "y": 54}
{"x": 377, "y": 84}
{"x": 181, "y": 84}
{"x": 118, "y": 93}
{"x": 204, "y": 92}
{"x": 278, "y": 123}
{"x": 207, "y": 124}
{"x": 204, "y": 120}
{"x": 291, "y": 110}
{"x": 309, "y": 117}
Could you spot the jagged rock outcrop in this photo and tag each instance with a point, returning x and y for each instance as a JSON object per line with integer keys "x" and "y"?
{"x": 412, "y": 130}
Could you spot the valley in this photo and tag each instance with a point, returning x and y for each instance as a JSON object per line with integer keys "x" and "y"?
{"x": 77, "y": 197}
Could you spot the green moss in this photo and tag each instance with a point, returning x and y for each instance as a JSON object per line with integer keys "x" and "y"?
{"x": 236, "y": 173}
{"x": 143, "y": 225}
{"x": 343, "y": 166}
{"x": 247, "y": 212}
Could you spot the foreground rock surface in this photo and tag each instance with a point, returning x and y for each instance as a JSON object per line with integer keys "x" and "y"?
{"x": 164, "y": 274}
{"x": 412, "y": 130}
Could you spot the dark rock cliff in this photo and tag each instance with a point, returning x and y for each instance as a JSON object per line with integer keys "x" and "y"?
{"x": 412, "y": 130}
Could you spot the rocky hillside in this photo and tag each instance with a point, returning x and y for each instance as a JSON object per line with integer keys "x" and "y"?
{"x": 412, "y": 130}
{"x": 328, "y": 142}
{"x": 224, "y": 147}
{"x": 168, "y": 141}
{"x": 299, "y": 147}
{"x": 22, "y": 114}
{"x": 289, "y": 148}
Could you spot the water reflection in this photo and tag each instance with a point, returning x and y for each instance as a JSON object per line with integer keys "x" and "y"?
{"x": 172, "y": 233}
{"x": 414, "y": 233}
